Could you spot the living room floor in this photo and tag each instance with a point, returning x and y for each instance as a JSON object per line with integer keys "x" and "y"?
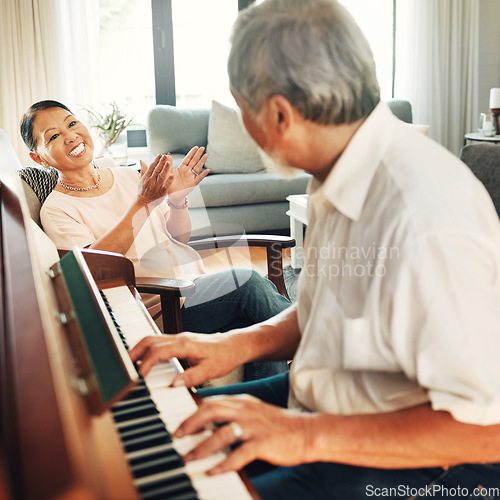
{"x": 254, "y": 257}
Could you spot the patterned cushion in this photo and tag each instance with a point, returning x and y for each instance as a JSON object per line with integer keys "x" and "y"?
{"x": 41, "y": 180}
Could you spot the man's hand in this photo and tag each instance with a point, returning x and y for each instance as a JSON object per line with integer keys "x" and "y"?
{"x": 210, "y": 356}
{"x": 268, "y": 432}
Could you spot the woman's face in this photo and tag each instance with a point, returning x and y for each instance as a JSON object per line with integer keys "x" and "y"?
{"x": 62, "y": 140}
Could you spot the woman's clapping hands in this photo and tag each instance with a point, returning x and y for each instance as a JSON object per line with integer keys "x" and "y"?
{"x": 155, "y": 180}
{"x": 159, "y": 179}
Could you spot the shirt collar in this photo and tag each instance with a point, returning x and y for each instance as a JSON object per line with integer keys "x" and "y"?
{"x": 346, "y": 186}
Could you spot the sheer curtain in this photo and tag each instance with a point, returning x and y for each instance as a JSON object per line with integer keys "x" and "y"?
{"x": 48, "y": 50}
{"x": 437, "y": 65}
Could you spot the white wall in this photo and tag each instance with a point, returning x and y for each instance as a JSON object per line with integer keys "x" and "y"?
{"x": 489, "y": 51}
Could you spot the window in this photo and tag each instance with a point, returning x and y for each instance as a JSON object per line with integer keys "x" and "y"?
{"x": 175, "y": 51}
{"x": 126, "y": 62}
{"x": 376, "y": 21}
{"x": 201, "y": 49}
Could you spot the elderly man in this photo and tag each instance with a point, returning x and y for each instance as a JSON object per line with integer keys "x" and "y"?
{"x": 395, "y": 337}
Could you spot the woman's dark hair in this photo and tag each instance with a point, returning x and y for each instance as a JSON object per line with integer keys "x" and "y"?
{"x": 29, "y": 117}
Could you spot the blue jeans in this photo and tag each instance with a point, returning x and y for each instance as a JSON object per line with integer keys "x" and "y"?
{"x": 334, "y": 481}
{"x": 231, "y": 299}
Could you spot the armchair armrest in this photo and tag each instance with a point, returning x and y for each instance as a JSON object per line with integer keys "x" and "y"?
{"x": 274, "y": 245}
{"x": 170, "y": 292}
{"x": 106, "y": 266}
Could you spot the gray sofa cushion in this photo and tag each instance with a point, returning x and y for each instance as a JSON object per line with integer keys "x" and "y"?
{"x": 402, "y": 109}
{"x": 484, "y": 160}
{"x": 176, "y": 130}
{"x": 220, "y": 190}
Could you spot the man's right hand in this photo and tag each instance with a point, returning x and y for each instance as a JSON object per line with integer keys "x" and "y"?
{"x": 210, "y": 356}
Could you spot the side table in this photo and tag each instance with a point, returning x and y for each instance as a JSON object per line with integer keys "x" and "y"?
{"x": 476, "y": 136}
{"x": 298, "y": 219}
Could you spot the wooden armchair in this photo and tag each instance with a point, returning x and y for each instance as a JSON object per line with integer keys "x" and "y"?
{"x": 106, "y": 266}
{"x": 37, "y": 185}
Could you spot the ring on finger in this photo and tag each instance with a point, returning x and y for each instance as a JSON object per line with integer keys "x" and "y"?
{"x": 237, "y": 431}
{"x": 195, "y": 172}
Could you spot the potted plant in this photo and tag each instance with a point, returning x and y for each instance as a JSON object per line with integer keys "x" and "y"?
{"x": 110, "y": 126}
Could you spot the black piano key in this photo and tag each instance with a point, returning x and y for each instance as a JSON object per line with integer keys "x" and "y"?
{"x": 138, "y": 429}
{"x": 132, "y": 413}
{"x": 146, "y": 441}
{"x": 172, "y": 487}
{"x": 130, "y": 403}
{"x": 137, "y": 421}
{"x": 138, "y": 392}
{"x": 155, "y": 463}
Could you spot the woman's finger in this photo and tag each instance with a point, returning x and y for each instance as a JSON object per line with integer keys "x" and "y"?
{"x": 201, "y": 176}
{"x": 160, "y": 166}
{"x": 144, "y": 168}
{"x": 193, "y": 157}
{"x": 150, "y": 169}
{"x": 197, "y": 165}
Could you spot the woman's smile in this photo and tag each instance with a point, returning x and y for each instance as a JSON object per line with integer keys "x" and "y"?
{"x": 78, "y": 150}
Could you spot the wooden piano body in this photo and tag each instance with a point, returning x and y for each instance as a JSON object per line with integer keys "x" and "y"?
{"x": 51, "y": 446}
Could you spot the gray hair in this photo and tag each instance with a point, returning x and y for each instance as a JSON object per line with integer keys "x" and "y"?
{"x": 309, "y": 51}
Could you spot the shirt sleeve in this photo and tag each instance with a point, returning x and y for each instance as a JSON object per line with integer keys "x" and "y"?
{"x": 444, "y": 324}
{"x": 64, "y": 230}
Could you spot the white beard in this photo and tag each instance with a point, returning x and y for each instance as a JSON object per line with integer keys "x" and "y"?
{"x": 275, "y": 165}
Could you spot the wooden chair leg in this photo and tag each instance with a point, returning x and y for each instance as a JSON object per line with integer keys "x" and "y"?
{"x": 275, "y": 268}
{"x": 171, "y": 314}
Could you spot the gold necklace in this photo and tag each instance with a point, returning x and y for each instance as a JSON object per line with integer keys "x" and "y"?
{"x": 95, "y": 186}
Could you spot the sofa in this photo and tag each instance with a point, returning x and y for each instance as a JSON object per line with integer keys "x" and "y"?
{"x": 484, "y": 160}
{"x": 238, "y": 196}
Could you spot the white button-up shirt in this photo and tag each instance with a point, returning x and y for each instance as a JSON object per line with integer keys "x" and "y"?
{"x": 399, "y": 296}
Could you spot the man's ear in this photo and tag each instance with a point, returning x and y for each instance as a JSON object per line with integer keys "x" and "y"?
{"x": 280, "y": 113}
{"x": 37, "y": 158}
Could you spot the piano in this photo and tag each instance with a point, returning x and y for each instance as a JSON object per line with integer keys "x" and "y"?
{"x": 77, "y": 421}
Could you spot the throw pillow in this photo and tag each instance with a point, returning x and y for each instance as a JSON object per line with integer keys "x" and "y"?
{"x": 176, "y": 130}
{"x": 423, "y": 129}
{"x": 230, "y": 149}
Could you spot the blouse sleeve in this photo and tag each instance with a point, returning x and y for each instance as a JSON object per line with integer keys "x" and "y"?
{"x": 63, "y": 230}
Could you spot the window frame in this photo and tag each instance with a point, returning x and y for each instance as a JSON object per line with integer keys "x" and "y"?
{"x": 163, "y": 44}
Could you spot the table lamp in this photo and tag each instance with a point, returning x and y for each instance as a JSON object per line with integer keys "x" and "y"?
{"x": 495, "y": 106}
